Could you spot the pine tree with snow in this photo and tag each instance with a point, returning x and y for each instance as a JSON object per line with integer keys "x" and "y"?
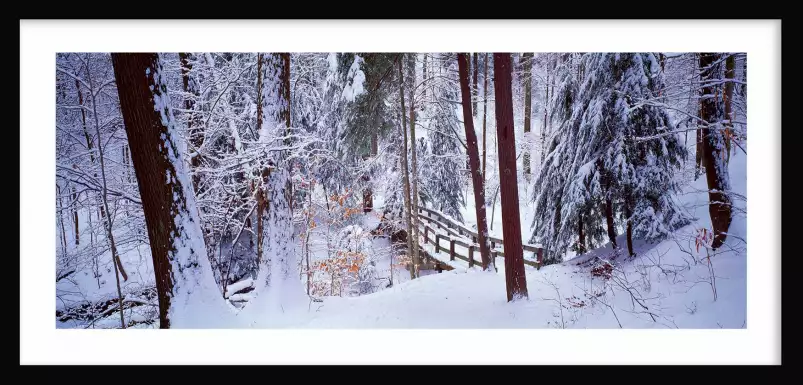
{"x": 613, "y": 144}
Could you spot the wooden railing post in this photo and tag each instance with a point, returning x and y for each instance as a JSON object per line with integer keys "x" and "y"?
{"x": 426, "y": 234}
{"x": 539, "y": 258}
{"x": 451, "y": 250}
{"x": 437, "y": 243}
{"x": 471, "y": 256}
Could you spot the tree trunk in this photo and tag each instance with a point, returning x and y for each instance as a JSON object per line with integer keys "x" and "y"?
{"x": 75, "y": 214}
{"x": 581, "y": 243}
{"x": 511, "y": 222}
{"x": 544, "y": 132}
{"x": 414, "y": 172}
{"x": 527, "y": 63}
{"x": 729, "y": 77}
{"x": 716, "y": 169}
{"x": 698, "y": 157}
{"x": 407, "y": 205}
{"x": 474, "y": 88}
{"x": 477, "y": 179}
{"x": 628, "y": 206}
{"x": 107, "y": 220}
{"x": 180, "y": 261}
{"x": 424, "y": 74}
{"x": 609, "y": 222}
{"x": 484, "y": 117}
{"x": 286, "y": 114}
{"x": 61, "y": 221}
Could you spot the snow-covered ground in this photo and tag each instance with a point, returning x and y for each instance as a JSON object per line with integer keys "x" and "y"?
{"x": 668, "y": 285}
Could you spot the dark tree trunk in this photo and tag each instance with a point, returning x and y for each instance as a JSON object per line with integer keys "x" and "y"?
{"x": 61, "y": 220}
{"x": 286, "y": 114}
{"x": 154, "y": 155}
{"x": 628, "y": 213}
{"x": 581, "y": 243}
{"x": 729, "y": 77}
{"x": 474, "y": 89}
{"x": 474, "y": 162}
{"x": 609, "y": 222}
{"x": 544, "y": 131}
{"x": 424, "y": 75}
{"x": 195, "y": 130}
{"x": 527, "y": 64}
{"x": 484, "y": 117}
{"x": 716, "y": 171}
{"x": 75, "y": 214}
{"x": 698, "y": 156}
{"x": 511, "y": 222}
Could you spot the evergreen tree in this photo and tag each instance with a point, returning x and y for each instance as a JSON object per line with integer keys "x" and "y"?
{"x": 612, "y": 145}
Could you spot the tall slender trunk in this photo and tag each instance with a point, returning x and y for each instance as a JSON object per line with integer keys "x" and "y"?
{"x": 477, "y": 178}
{"x": 544, "y": 131}
{"x": 75, "y": 215}
{"x": 729, "y": 77}
{"x": 609, "y": 222}
{"x": 424, "y": 75}
{"x": 484, "y": 117}
{"x": 515, "y": 279}
{"x": 628, "y": 206}
{"x": 716, "y": 169}
{"x": 118, "y": 265}
{"x": 414, "y": 172}
{"x": 581, "y": 243}
{"x": 407, "y": 205}
{"x": 474, "y": 88}
{"x": 526, "y": 61}
{"x": 286, "y": 113}
{"x": 61, "y": 221}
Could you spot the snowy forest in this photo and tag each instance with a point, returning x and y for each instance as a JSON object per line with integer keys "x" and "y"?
{"x": 401, "y": 190}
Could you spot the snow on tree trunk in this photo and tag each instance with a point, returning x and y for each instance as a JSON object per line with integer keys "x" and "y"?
{"x": 185, "y": 285}
{"x": 511, "y": 222}
{"x": 477, "y": 179}
{"x": 714, "y": 155}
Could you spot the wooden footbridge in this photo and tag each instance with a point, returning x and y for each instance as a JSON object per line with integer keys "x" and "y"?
{"x": 445, "y": 234}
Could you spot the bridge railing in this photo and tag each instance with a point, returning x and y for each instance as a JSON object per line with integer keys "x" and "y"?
{"x": 456, "y": 231}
